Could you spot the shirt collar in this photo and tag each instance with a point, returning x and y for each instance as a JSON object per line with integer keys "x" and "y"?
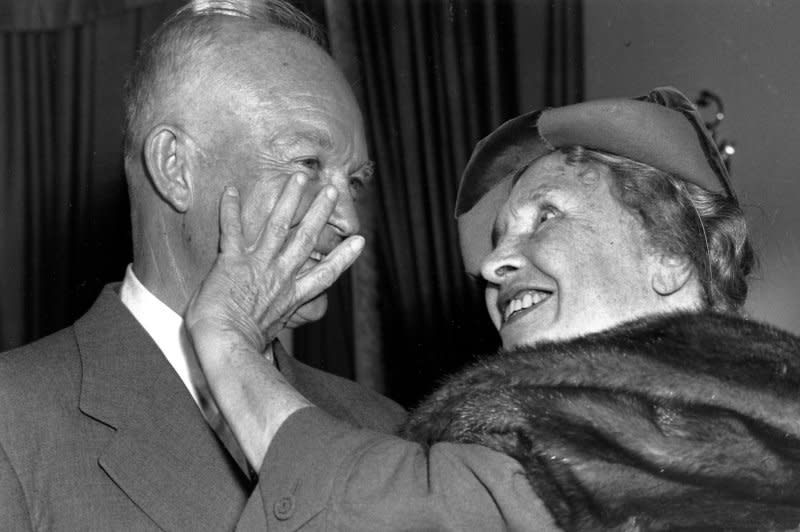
{"x": 163, "y": 325}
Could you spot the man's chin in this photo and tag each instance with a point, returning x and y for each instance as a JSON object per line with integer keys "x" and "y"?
{"x": 312, "y": 311}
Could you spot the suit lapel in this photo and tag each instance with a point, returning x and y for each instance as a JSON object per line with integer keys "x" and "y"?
{"x": 311, "y": 384}
{"x": 163, "y": 454}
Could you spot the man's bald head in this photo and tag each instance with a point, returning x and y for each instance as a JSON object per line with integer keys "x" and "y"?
{"x": 171, "y": 61}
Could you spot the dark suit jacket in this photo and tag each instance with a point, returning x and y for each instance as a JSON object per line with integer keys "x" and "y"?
{"x": 97, "y": 432}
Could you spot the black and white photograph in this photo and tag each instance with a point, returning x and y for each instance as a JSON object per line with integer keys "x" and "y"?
{"x": 399, "y": 265}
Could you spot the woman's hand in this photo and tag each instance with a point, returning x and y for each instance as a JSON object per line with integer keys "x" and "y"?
{"x": 252, "y": 292}
{"x": 247, "y": 298}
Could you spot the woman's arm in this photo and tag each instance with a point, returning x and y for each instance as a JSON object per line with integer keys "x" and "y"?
{"x": 249, "y": 295}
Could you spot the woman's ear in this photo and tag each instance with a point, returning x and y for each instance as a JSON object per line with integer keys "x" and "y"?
{"x": 165, "y": 158}
{"x": 670, "y": 273}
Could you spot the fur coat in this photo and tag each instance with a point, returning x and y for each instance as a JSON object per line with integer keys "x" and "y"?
{"x": 686, "y": 422}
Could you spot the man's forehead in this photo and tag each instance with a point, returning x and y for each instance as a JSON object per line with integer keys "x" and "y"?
{"x": 256, "y": 57}
{"x": 292, "y": 134}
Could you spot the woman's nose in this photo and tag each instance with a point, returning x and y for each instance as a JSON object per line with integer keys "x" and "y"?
{"x": 501, "y": 263}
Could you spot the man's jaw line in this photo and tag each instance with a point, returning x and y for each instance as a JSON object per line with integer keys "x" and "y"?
{"x": 166, "y": 282}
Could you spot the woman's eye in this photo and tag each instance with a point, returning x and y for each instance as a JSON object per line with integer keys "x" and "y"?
{"x": 546, "y": 214}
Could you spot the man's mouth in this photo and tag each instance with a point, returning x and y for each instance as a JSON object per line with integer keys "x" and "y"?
{"x": 314, "y": 258}
{"x": 317, "y": 256}
{"x": 522, "y": 302}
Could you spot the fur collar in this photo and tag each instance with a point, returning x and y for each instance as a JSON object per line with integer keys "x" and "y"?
{"x": 688, "y": 422}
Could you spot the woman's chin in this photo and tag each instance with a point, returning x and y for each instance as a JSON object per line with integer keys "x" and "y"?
{"x": 513, "y": 341}
{"x": 529, "y": 329}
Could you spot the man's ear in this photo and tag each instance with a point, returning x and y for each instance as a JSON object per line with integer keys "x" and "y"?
{"x": 670, "y": 273}
{"x": 166, "y": 160}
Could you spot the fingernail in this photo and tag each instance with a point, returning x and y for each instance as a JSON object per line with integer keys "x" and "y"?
{"x": 357, "y": 243}
{"x": 301, "y": 178}
{"x": 231, "y": 191}
{"x": 331, "y": 193}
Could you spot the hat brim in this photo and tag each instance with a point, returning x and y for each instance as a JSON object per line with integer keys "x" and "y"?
{"x": 663, "y": 130}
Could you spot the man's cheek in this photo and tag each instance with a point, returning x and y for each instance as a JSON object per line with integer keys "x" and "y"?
{"x": 312, "y": 311}
{"x": 255, "y": 211}
{"x": 261, "y": 200}
{"x": 309, "y": 193}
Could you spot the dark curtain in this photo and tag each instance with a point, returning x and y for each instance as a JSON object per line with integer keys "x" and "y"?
{"x": 564, "y": 53}
{"x": 437, "y": 77}
{"x": 433, "y": 78}
{"x": 64, "y": 217}
{"x": 39, "y": 15}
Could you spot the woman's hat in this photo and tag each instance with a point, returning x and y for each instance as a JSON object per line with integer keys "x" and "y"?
{"x": 663, "y": 130}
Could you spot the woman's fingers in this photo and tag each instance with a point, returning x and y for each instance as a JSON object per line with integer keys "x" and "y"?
{"x": 279, "y": 222}
{"x": 319, "y": 278}
{"x": 230, "y": 225}
{"x": 307, "y": 233}
{"x": 281, "y": 250}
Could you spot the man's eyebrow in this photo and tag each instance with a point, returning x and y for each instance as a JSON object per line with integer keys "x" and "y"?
{"x": 367, "y": 170}
{"x": 319, "y": 138}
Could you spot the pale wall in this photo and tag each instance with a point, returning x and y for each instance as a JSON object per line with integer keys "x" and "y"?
{"x": 748, "y": 51}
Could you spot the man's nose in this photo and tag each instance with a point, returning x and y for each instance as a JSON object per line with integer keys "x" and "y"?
{"x": 501, "y": 264}
{"x": 344, "y": 218}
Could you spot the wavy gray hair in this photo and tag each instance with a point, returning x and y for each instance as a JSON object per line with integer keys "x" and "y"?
{"x": 684, "y": 220}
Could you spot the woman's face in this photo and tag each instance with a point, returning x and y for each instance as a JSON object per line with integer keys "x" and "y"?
{"x": 568, "y": 258}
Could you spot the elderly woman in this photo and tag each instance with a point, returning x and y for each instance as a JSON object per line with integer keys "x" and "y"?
{"x": 628, "y": 394}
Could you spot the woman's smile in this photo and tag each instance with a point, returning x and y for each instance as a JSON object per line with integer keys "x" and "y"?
{"x": 568, "y": 257}
{"x": 522, "y": 303}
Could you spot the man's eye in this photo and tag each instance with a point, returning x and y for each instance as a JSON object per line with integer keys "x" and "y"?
{"x": 312, "y": 163}
{"x": 356, "y": 187}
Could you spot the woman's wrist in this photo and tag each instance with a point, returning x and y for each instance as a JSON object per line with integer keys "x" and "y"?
{"x": 251, "y": 393}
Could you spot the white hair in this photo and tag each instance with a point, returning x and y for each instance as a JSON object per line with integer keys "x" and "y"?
{"x": 165, "y": 56}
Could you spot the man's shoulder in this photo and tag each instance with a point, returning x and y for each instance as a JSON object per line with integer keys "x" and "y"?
{"x": 39, "y": 384}
{"x": 55, "y": 356}
{"x": 48, "y": 371}
{"x": 342, "y": 397}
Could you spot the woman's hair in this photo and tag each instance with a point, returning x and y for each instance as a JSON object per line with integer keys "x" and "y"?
{"x": 685, "y": 220}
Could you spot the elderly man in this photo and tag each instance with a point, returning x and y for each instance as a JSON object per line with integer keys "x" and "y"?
{"x": 108, "y": 424}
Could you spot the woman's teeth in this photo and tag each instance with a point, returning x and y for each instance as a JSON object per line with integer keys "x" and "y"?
{"x": 521, "y": 302}
{"x": 317, "y": 256}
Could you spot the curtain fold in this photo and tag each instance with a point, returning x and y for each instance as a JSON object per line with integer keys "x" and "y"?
{"x": 433, "y": 78}
{"x": 64, "y": 215}
{"x": 565, "y": 52}
{"x": 42, "y": 15}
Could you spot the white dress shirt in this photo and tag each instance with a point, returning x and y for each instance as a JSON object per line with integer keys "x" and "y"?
{"x": 166, "y": 329}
